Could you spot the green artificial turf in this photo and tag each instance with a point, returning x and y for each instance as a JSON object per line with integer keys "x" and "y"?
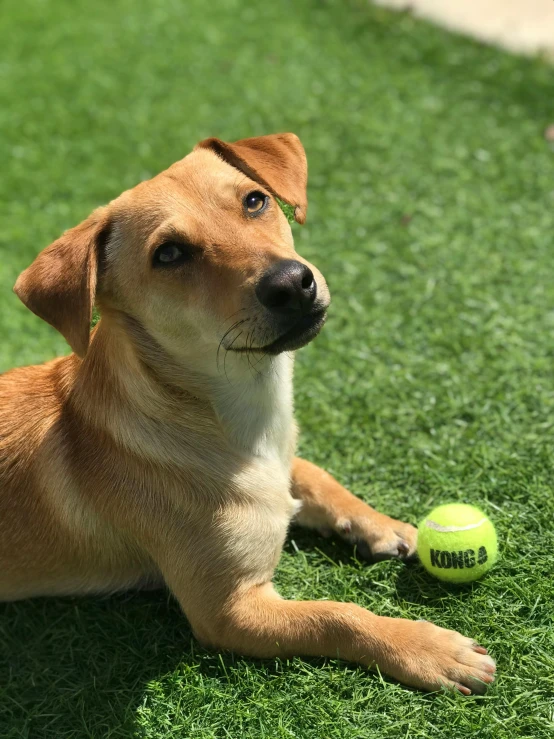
{"x": 432, "y": 217}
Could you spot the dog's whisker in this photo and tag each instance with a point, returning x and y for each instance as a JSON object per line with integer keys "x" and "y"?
{"x": 251, "y": 352}
{"x": 240, "y": 310}
{"x": 225, "y": 363}
{"x": 228, "y": 348}
{"x": 234, "y": 326}
{"x": 225, "y": 355}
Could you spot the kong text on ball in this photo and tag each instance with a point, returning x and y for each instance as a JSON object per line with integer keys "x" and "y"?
{"x": 457, "y": 543}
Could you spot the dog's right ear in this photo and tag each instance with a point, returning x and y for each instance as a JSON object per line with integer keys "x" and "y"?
{"x": 60, "y": 285}
{"x": 277, "y": 161}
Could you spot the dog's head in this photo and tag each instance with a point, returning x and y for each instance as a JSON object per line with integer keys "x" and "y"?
{"x": 201, "y": 256}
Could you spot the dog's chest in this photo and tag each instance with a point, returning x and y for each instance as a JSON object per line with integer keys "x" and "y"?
{"x": 252, "y": 527}
{"x": 257, "y": 415}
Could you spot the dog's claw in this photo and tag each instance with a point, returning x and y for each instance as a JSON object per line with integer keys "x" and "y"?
{"x": 363, "y": 551}
{"x": 402, "y": 552}
{"x": 403, "y": 548}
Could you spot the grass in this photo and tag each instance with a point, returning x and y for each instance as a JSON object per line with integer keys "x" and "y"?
{"x": 432, "y": 216}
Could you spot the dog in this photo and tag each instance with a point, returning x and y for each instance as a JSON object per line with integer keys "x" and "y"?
{"x": 162, "y": 450}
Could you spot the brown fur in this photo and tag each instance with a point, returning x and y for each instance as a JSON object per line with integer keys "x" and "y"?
{"x": 163, "y": 449}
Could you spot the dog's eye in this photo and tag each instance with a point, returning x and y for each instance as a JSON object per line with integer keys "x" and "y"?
{"x": 255, "y": 202}
{"x": 171, "y": 253}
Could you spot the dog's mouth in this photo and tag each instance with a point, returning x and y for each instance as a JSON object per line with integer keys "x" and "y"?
{"x": 298, "y": 335}
{"x": 303, "y": 331}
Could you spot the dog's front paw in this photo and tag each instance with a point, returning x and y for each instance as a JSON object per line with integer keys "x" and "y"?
{"x": 377, "y": 537}
{"x": 430, "y": 658}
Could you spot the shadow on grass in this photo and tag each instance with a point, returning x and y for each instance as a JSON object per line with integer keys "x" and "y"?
{"x": 412, "y": 584}
{"x": 332, "y": 548}
{"x": 415, "y": 586}
{"x": 78, "y": 667}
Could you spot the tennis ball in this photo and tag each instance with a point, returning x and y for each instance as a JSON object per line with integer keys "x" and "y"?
{"x": 457, "y": 543}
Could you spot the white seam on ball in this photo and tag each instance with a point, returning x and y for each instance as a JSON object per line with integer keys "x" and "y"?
{"x": 451, "y": 529}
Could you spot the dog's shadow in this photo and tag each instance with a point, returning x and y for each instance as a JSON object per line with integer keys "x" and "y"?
{"x": 85, "y": 662}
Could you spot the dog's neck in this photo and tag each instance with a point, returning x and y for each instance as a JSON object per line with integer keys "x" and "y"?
{"x": 255, "y": 407}
{"x": 250, "y": 400}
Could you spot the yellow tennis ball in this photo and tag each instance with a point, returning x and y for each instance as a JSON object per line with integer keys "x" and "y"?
{"x": 457, "y": 543}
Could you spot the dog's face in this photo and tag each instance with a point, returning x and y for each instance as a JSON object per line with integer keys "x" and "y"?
{"x": 201, "y": 256}
{"x": 204, "y": 254}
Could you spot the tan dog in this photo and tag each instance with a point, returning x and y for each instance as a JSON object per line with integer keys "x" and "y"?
{"x": 162, "y": 450}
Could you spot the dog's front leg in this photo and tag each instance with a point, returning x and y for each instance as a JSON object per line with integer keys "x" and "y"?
{"x": 329, "y": 507}
{"x": 255, "y": 621}
{"x": 219, "y": 566}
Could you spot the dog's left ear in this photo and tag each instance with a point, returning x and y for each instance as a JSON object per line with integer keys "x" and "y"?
{"x": 277, "y": 161}
{"x": 60, "y": 285}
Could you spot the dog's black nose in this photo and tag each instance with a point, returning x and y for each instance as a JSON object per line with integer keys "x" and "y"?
{"x": 288, "y": 288}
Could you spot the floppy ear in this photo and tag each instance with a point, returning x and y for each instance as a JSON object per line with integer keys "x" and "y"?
{"x": 60, "y": 285}
{"x": 277, "y": 161}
